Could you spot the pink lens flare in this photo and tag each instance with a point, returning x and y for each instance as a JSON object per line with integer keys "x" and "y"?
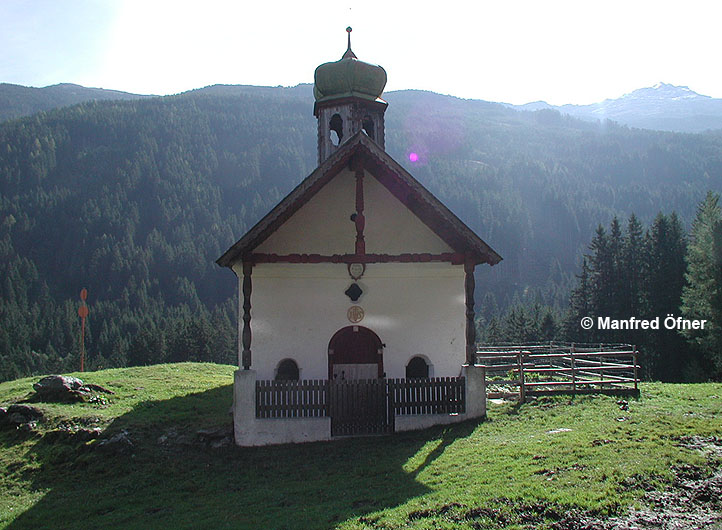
{"x": 413, "y": 157}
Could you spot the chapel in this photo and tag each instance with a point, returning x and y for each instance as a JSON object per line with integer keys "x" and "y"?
{"x": 356, "y": 291}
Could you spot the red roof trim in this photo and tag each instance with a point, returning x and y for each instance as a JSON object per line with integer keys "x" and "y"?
{"x": 455, "y": 258}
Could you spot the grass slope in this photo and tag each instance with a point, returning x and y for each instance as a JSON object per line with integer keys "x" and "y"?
{"x": 474, "y": 475}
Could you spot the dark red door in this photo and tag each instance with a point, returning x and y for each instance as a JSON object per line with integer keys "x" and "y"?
{"x": 355, "y": 352}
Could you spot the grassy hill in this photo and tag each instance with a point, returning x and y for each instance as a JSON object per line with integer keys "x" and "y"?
{"x": 552, "y": 463}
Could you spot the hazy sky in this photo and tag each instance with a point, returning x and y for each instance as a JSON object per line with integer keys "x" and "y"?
{"x": 503, "y": 50}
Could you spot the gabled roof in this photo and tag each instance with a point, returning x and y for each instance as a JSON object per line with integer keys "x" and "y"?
{"x": 395, "y": 178}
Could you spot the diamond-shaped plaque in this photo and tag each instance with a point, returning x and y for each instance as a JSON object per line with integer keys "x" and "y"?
{"x": 354, "y": 292}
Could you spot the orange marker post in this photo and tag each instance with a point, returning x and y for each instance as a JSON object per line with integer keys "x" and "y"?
{"x": 82, "y": 313}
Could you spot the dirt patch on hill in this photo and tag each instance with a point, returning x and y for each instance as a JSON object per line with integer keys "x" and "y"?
{"x": 692, "y": 501}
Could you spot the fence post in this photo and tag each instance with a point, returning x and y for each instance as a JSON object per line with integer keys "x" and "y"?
{"x": 574, "y": 371}
{"x": 634, "y": 362}
{"x": 522, "y": 390}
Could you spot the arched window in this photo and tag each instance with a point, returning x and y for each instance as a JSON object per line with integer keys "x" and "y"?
{"x": 417, "y": 369}
{"x": 368, "y": 127}
{"x": 287, "y": 370}
{"x": 336, "y": 126}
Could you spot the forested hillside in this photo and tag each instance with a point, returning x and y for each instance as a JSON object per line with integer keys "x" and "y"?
{"x": 135, "y": 200}
{"x": 17, "y": 101}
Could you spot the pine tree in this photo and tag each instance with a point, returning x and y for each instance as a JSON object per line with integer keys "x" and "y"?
{"x": 147, "y": 347}
{"x": 616, "y": 279}
{"x": 632, "y": 269}
{"x": 702, "y": 294}
{"x": 580, "y": 304}
{"x": 548, "y": 327}
{"x": 664, "y": 265}
{"x": 602, "y": 268}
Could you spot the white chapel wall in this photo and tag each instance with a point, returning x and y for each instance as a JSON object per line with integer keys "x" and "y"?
{"x": 414, "y": 308}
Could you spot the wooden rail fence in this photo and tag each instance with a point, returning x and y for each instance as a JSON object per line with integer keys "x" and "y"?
{"x": 555, "y": 368}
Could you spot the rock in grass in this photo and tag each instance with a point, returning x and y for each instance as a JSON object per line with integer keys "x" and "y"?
{"x": 58, "y": 388}
{"x": 96, "y": 388}
{"x": 64, "y": 388}
{"x": 22, "y": 417}
{"x": 216, "y": 437}
{"x": 25, "y": 411}
{"x": 119, "y": 443}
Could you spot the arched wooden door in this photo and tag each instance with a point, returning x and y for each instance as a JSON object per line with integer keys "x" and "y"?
{"x": 358, "y": 393}
{"x": 355, "y": 352}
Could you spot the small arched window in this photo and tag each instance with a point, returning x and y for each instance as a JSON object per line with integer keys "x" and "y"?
{"x": 336, "y": 126}
{"x": 287, "y": 370}
{"x": 417, "y": 369}
{"x": 368, "y": 127}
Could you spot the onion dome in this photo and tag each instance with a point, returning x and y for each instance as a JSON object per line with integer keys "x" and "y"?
{"x": 348, "y": 77}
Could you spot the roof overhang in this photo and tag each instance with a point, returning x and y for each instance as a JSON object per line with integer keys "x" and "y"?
{"x": 360, "y": 149}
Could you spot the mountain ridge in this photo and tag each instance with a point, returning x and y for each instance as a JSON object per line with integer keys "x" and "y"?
{"x": 663, "y": 106}
{"x": 17, "y": 101}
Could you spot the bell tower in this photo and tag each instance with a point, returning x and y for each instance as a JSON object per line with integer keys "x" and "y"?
{"x": 348, "y": 100}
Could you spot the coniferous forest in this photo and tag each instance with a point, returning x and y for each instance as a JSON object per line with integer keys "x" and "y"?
{"x": 658, "y": 272}
{"x": 134, "y": 200}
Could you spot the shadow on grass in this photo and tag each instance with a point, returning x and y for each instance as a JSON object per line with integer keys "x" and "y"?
{"x": 190, "y": 485}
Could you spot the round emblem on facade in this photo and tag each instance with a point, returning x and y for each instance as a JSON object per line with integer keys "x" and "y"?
{"x": 355, "y": 314}
{"x": 356, "y": 270}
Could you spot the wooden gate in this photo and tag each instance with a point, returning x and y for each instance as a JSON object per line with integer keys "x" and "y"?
{"x": 361, "y": 406}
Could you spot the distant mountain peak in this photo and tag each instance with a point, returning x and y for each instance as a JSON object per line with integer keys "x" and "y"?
{"x": 664, "y": 91}
{"x": 663, "y": 106}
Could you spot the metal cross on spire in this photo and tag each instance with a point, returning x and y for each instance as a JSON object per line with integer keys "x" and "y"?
{"x": 349, "y": 54}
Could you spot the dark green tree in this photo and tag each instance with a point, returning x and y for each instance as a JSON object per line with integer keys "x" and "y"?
{"x": 664, "y": 353}
{"x": 147, "y": 347}
{"x": 702, "y": 293}
{"x": 580, "y": 306}
{"x": 548, "y": 326}
{"x": 632, "y": 269}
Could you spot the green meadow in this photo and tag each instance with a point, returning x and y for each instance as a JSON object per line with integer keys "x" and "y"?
{"x": 524, "y": 466}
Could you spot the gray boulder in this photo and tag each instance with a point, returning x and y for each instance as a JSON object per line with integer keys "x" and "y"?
{"x": 216, "y": 437}
{"x": 57, "y": 384}
{"x": 25, "y": 411}
{"x": 60, "y": 388}
{"x": 20, "y": 416}
{"x": 120, "y": 443}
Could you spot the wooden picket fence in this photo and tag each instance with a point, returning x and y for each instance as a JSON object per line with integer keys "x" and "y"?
{"x": 291, "y": 399}
{"x": 438, "y": 395}
{"x": 559, "y": 368}
{"x": 360, "y": 406}
{"x": 373, "y": 398}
